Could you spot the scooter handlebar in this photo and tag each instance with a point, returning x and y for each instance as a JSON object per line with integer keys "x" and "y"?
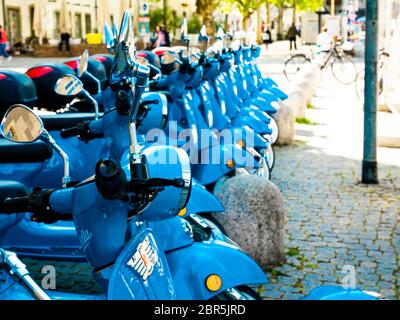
{"x": 38, "y": 203}
{"x": 82, "y": 131}
{"x": 15, "y": 205}
{"x": 69, "y": 133}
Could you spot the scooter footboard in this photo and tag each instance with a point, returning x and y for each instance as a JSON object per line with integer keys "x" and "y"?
{"x": 11, "y": 290}
{"x": 191, "y": 267}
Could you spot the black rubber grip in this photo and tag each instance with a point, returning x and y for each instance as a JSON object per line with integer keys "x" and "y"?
{"x": 71, "y": 132}
{"x": 15, "y": 205}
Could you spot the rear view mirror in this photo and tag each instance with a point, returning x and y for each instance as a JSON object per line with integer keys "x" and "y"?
{"x": 115, "y": 30}
{"x": 203, "y": 31}
{"x": 21, "y": 124}
{"x": 83, "y": 63}
{"x": 168, "y": 58}
{"x": 220, "y": 34}
{"x": 125, "y": 30}
{"x": 109, "y": 37}
{"x": 69, "y": 86}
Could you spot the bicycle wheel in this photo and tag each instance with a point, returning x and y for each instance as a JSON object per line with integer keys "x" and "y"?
{"x": 294, "y": 64}
{"x": 360, "y": 83}
{"x": 344, "y": 69}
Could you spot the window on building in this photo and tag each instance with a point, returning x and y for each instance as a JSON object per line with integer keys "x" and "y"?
{"x": 78, "y": 26}
{"x": 88, "y": 20}
{"x": 56, "y": 27}
{"x": 31, "y": 15}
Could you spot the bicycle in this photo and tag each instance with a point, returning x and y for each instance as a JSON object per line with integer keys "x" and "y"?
{"x": 343, "y": 67}
{"x": 382, "y": 66}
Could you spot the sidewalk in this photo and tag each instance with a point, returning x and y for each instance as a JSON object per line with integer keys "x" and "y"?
{"x": 334, "y": 221}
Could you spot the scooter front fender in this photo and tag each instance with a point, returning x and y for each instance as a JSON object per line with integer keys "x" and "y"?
{"x": 141, "y": 272}
{"x": 258, "y": 126}
{"x": 191, "y": 266}
{"x": 339, "y": 293}
{"x": 263, "y": 101}
{"x": 202, "y": 201}
{"x": 216, "y": 165}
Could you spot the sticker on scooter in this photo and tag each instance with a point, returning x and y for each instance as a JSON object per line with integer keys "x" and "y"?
{"x": 84, "y": 238}
{"x": 144, "y": 259}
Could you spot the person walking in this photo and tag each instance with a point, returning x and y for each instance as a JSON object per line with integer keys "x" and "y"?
{"x": 64, "y": 41}
{"x": 292, "y": 35}
{"x": 267, "y": 36}
{"x": 163, "y": 39}
{"x": 4, "y": 45}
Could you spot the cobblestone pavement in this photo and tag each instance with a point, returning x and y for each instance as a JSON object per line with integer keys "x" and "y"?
{"x": 333, "y": 220}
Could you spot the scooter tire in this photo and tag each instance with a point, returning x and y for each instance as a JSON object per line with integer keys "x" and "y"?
{"x": 275, "y": 126}
{"x": 272, "y": 164}
{"x": 238, "y": 293}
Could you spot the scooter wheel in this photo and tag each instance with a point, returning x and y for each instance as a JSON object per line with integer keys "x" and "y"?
{"x": 263, "y": 171}
{"x": 269, "y": 155}
{"x": 238, "y": 293}
{"x": 275, "y": 130}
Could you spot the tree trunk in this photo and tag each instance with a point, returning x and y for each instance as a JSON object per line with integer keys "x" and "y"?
{"x": 209, "y": 22}
{"x": 245, "y": 22}
{"x": 259, "y": 27}
{"x": 165, "y": 12}
{"x": 268, "y": 9}
{"x": 280, "y": 23}
{"x": 226, "y": 26}
{"x": 205, "y": 8}
{"x": 294, "y": 20}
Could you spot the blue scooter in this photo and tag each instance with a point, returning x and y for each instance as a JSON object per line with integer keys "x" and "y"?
{"x": 138, "y": 268}
{"x": 59, "y": 241}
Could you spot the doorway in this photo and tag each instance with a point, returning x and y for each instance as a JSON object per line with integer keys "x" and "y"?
{"x": 14, "y": 25}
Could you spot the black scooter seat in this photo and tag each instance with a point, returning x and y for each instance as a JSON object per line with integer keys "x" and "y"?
{"x": 12, "y": 152}
{"x": 12, "y": 189}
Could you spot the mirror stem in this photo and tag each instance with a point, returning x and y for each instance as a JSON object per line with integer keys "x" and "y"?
{"x": 134, "y": 145}
{"x": 66, "y": 178}
{"x": 99, "y": 90}
{"x": 96, "y": 105}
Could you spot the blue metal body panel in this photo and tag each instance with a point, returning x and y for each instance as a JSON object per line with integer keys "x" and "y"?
{"x": 339, "y": 293}
{"x": 195, "y": 263}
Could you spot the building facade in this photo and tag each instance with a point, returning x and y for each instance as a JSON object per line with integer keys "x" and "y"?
{"x": 18, "y": 17}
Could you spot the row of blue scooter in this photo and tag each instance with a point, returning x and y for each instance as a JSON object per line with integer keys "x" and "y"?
{"x": 130, "y": 187}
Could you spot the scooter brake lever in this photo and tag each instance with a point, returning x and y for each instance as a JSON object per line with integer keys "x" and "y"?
{"x": 157, "y": 183}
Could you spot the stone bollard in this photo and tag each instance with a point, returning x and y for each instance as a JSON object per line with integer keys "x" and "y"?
{"x": 285, "y": 119}
{"x": 306, "y": 88}
{"x": 254, "y": 218}
{"x": 312, "y": 79}
{"x": 297, "y": 101}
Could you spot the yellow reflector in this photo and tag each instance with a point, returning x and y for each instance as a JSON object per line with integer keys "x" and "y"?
{"x": 241, "y": 143}
{"x": 230, "y": 164}
{"x": 213, "y": 283}
{"x": 182, "y": 212}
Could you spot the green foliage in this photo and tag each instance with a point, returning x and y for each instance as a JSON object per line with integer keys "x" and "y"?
{"x": 247, "y": 7}
{"x": 157, "y": 18}
{"x": 306, "y": 121}
{"x": 293, "y": 252}
{"x": 194, "y": 25}
{"x": 301, "y": 5}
